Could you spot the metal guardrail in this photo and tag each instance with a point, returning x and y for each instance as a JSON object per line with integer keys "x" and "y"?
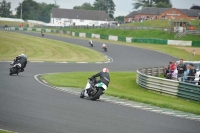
{"x": 196, "y": 32}
{"x": 171, "y": 87}
{"x": 181, "y": 34}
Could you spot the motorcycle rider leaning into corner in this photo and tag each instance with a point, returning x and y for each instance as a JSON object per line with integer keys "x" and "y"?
{"x": 22, "y": 59}
{"x": 104, "y": 77}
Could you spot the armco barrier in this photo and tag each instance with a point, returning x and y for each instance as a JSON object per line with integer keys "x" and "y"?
{"x": 88, "y": 35}
{"x": 171, "y": 87}
{"x": 196, "y": 43}
{"x": 76, "y": 34}
{"x": 121, "y": 38}
{"x": 129, "y": 39}
{"x": 105, "y": 37}
{"x": 113, "y": 38}
{"x": 155, "y": 41}
{"x": 82, "y": 35}
{"x": 95, "y": 36}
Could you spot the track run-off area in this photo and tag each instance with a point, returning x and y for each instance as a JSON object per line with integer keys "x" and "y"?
{"x": 27, "y": 106}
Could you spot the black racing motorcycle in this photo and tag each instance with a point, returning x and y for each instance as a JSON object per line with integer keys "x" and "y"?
{"x": 93, "y": 91}
{"x": 14, "y": 68}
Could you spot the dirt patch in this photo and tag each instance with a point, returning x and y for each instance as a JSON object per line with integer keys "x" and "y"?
{"x": 190, "y": 49}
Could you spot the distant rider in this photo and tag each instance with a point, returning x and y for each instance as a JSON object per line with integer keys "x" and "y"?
{"x": 22, "y": 59}
{"x": 104, "y": 45}
{"x": 90, "y": 41}
{"x": 42, "y": 33}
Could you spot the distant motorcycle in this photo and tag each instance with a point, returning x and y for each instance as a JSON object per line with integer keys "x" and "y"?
{"x": 91, "y": 44}
{"x": 93, "y": 91}
{"x": 105, "y": 48}
{"x": 14, "y": 68}
{"x": 42, "y": 34}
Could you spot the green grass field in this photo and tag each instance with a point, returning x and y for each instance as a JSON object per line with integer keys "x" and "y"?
{"x": 42, "y": 49}
{"x": 150, "y": 23}
{"x": 159, "y": 23}
{"x": 2, "y": 131}
{"x": 126, "y": 89}
{"x": 158, "y": 34}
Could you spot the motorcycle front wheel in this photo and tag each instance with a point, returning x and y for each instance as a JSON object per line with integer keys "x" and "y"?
{"x": 97, "y": 94}
{"x": 82, "y": 94}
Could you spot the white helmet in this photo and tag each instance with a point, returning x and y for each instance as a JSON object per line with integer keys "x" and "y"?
{"x": 23, "y": 55}
{"x": 105, "y": 70}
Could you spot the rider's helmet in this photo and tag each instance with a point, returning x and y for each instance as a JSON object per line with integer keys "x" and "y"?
{"x": 23, "y": 55}
{"x": 105, "y": 70}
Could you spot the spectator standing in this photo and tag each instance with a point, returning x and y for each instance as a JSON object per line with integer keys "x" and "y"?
{"x": 172, "y": 67}
{"x": 175, "y": 73}
{"x": 186, "y": 72}
{"x": 181, "y": 68}
{"x": 192, "y": 74}
{"x": 167, "y": 71}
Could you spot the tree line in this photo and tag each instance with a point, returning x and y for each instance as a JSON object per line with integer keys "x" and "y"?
{"x": 31, "y": 10}
{"x": 152, "y": 3}
{"x": 103, "y": 5}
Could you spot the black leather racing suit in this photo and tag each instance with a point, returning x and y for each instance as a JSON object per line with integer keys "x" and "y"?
{"x": 104, "y": 77}
{"x": 22, "y": 61}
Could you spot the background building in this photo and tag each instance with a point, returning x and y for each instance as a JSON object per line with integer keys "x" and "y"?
{"x": 162, "y": 13}
{"x": 67, "y": 17}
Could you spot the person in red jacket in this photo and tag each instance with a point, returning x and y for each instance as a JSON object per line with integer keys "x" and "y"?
{"x": 172, "y": 67}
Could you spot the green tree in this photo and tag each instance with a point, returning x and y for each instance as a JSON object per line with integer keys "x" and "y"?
{"x": 105, "y": 5}
{"x": 119, "y": 18}
{"x": 45, "y": 10}
{"x": 5, "y": 9}
{"x": 29, "y": 10}
{"x": 152, "y": 3}
{"x": 85, "y": 6}
{"x": 163, "y": 5}
{"x": 142, "y": 3}
{"x": 195, "y": 7}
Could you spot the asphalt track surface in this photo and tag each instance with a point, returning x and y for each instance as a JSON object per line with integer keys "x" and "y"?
{"x": 27, "y": 106}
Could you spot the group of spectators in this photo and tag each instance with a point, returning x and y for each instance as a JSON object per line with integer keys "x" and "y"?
{"x": 181, "y": 72}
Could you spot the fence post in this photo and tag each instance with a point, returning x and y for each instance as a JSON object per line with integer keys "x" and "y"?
{"x": 142, "y": 70}
{"x": 152, "y": 71}
{"x": 158, "y": 74}
{"x": 147, "y": 71}
{"x": 163, "y": 70}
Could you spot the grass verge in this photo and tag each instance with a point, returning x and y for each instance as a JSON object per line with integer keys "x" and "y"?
{"x": 159, "y": 34}
{"x": 42, "y": 49}
{"x": 167, "y": 49}
{"x": 159, "y": 23}
{"x": 126, "y": 89}
{"x": 3, "y": 131}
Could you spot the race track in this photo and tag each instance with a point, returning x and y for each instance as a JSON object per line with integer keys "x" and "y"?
{"x": 26, "y": 106}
